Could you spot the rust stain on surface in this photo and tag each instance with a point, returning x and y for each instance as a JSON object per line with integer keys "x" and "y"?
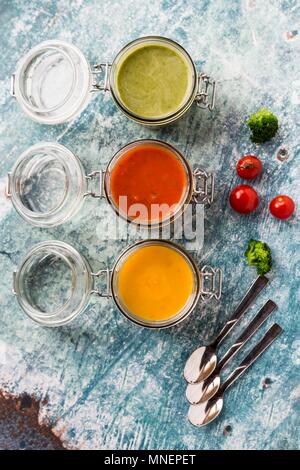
{"x": 19, "y": 425}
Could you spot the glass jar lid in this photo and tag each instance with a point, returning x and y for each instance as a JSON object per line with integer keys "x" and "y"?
{"x": 52, "y": 82}
{"x": 53, "y": 283}
{"x": 47, "y": 184}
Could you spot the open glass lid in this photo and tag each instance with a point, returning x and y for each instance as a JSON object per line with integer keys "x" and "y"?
{"x": 53, "y": 283}
{"x": 47, "y": 184}
{"x": 52, "y": 82}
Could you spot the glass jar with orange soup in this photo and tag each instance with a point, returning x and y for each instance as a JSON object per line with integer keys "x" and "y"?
{"x": 154, "y": 283}
{"x": 147, "y": 182}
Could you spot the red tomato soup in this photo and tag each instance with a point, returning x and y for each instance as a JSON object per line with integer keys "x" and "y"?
{"x": 153, "y": 180}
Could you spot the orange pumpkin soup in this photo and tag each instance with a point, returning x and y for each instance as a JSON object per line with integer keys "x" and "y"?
{"x": 155, "y": 283}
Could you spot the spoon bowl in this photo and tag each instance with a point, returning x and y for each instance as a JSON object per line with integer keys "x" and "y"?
{"x": 203, "y": 391}
{"x": 200, "y": 364}
{"x": 204, "y": 413}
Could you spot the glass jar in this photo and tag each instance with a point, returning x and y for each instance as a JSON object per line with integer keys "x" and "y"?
{"x": 54, "y": 283}
{"x": 48, "y": 184}
{"x": 54, "y": 82}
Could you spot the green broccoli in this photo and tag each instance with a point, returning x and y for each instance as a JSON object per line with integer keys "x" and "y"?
{"x": 259, "y": 255}
{"x": 263, "y": 125}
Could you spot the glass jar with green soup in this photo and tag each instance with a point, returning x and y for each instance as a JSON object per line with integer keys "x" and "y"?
{"x": 153, "y": 80}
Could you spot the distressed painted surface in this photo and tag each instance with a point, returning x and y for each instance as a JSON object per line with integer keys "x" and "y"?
{"x": 102, "y": 382}
{"x": 20, "y": 427}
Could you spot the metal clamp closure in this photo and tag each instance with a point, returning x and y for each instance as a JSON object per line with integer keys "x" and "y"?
{"x": 101, "y": 69}
{"x": 90, "y": 177}
{"x": 7, "y": 187}
{"x": 12, "y": 85}
{"x": 205, "y": 98}
{"x": 203, "y": 187}
{"x": 211, "y": 282}
{"x": 14, "y": 290}
{"x": 107, "y": 273}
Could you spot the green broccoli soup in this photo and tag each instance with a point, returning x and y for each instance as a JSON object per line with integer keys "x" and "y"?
{"x": 154, "y": 81}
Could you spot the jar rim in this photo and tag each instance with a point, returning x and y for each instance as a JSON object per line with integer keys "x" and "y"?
{"x": 29, "y": 57}
{"x": 40, "y": 114}
{"x": 184, "y": 312}
{"x": 54, "y": 216}
{"x": 185, "y": 200}
{"x": 36, "y": 314}
{"x": 164, "y": 119}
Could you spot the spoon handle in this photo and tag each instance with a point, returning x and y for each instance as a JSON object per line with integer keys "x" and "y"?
{"x": 253, "y": 355}
{"x": 253, "y": 326}
{"x": 249, "y": 298}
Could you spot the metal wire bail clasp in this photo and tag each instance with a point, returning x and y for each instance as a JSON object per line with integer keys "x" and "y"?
{"x": 206, "y": 93}
{"x": 7, "y": 186}
{"x": 12, "y": 85}
{"x": 203, "y": 187}
{"x": 14, "y": 288}
{"x": 107, "y": 274}
{"x": 91, "y": 176}
{"x": 100, "y": 69}
{"x": 211, "y": 282}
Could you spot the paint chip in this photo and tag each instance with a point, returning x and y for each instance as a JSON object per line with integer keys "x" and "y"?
{"x": 251, "y": 4}
{"x": 266, "y": 383}
{"x": 282, "y": 154}
{"x": 25, "y": 401}
{"x": 290, "y": 35}
{"x": 227, "y": 430}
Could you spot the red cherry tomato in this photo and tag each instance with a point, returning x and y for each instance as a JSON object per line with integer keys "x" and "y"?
{"x": 249, "y": 167}
{"x": 244, "y": 199}
{"x": 282, "y": 207}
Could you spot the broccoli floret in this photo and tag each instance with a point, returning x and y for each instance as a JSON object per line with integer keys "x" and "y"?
{"x": 263, "y": 125}
{"x": 259, "y": 254}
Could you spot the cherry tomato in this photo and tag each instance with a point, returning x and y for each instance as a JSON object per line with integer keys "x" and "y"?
{"x": 282, "y": 207}
{"x": 243, "y": 199}
{"x": 249, "y": 167}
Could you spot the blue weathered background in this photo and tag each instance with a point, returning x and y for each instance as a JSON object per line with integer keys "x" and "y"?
{"x": 102, "y": 382}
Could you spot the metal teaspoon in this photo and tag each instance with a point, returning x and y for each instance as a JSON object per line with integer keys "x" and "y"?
{"x": 203, "y": 360}
{"x": 203, "y": 391}
{"x": 204, "y": 413}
